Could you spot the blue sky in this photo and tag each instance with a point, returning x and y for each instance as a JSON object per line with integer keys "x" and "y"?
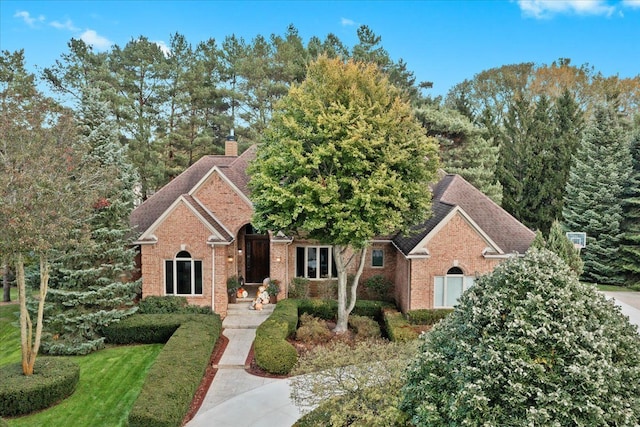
{"x": 442, "y": 41}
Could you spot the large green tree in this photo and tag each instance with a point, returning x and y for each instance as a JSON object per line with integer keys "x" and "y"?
{"x": 47, "y": 185}
{"x": 630, "y": 245}
{"x": 594, "y": 193}
{"x": 464, "y": 148}
{"x": 343, "y": 161}
{"x": 91, "y": 285}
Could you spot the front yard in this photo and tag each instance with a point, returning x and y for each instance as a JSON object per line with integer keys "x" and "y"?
{"x": 110, "y": 381}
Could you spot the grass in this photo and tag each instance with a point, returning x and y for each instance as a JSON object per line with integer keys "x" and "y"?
{"x": 610, "y": 288}
{"x": 110, "y": 381}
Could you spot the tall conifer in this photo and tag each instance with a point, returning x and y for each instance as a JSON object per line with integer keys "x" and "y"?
{"x": 92, "y": 286}
{"x": 594, "y": 192}
{"x": 630, "y": 248}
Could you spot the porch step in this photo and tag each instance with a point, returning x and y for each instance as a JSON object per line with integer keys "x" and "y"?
{"x": 240, "y": 316}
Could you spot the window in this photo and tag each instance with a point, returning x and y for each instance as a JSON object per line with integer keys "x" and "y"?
{"x": 449, "y": 288}
{"x": 183, "y": 275}
{"x": 315, "y": 262}
{"x": 377, "y": 258}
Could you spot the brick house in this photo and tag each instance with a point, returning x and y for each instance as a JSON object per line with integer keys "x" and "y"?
{"x": 196, "y": 232}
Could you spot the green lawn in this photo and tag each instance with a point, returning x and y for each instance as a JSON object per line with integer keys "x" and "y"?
{"x": 609, "y": 288}
{"x": 110, "y": 381}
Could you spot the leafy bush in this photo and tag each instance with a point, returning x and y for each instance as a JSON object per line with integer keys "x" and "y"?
{"x": 299, "y": 288}
{"x": 53, "y": 380}
{"x": 528, "y": 345}
{"x": 164, "y": 400}
{"x": 313, "y": 330}
{"x": 143, "y": 329}
{"x": 427, "y": 316}
{"x": 398, "y": 328}
{"x": 364, "y": 327}
{"x": 379, "y": 288}
{"x": 168, "y": 305}
{"x": 271, "y": 350}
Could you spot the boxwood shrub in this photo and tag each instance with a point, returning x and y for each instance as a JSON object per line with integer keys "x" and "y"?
{"x": 53, "y": 380}
{"x": 143, "y": 329}
{"x": 272, "y": 352}
{"x": 173, "y": 379}
{"x": 398, "y": 328}
{"x": 170, "y": 304}
{"x": 428, "y": 316}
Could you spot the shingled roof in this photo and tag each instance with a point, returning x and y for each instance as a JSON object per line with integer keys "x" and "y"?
{"x": 233, "y": 167}
{"x": 452, "y": 190}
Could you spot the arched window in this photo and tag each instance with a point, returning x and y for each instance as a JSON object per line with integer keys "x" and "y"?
{"x": 183, "y": 275}
{"x": 449, "y": 288}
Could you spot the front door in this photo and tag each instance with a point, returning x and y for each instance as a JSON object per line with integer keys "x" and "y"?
{"x": 257, "y": 258}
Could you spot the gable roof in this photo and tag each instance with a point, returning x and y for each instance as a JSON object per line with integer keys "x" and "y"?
{"x": 509, "y": 234}
{"x": 233, "y": 167}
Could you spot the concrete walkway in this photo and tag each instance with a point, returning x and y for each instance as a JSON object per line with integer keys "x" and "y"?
{"x": 239, "y": 399}
{"x": 235, "y": 397}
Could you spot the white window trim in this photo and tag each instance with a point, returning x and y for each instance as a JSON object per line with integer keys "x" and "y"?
{"x": 377, "y": 266}
{"x": 465, "y": 286}
{"x": 306, "y": 262}
{"x": 174, "y": 264}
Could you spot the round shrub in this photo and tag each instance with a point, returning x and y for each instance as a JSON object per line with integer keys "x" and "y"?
{"x": 53, "y": 380}
{"x": 528, "y": 345}
{"x": 271, "y": 350}
{"x": 379, "y": 287}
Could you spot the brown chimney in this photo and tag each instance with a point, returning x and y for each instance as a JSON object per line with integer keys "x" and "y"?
{"x": 231, "y": 146}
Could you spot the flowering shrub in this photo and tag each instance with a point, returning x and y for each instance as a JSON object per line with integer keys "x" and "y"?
{"x": 528, "y": 345}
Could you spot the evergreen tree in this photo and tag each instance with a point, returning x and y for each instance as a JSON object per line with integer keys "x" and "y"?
{"x": 558, "y": 243}
{"x": 463, "y": 148}
{"x": 594, "y": 192}
{"x": 630, "y": 248}
{"x": 91, "y": 286}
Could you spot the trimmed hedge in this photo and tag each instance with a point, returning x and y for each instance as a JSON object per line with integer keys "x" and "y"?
{"x": 398, "y": 328}
{"x": 328, "y": 309}
{"x": 170, "y": 304}
{"x": 175, "y": 376}
{"x": 428, "y": 316}
{"x": 163, "y": 401}
{"x": 271, "y": 350}
{"x": 144, "y": 329}
{"x": 53, "y": 380}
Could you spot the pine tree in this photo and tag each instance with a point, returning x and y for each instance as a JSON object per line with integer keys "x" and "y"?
{"x": 558, "y": 243}
{"x": 630, "y": 248}
{"x": 594, "y": 192}
{"x": 463, "y": 148}
{"x": 92, "y": 286}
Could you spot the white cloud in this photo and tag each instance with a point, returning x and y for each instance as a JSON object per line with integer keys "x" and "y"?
{"x": 66, "y": 25}
{"x": 346, "y": 22}
{"x": 28, "y": 19}
{"x": 92, "y": 38}
{"x": 634, "y": 4}
{"x": 549, "y": 8}
{"x": 164, "y": 48}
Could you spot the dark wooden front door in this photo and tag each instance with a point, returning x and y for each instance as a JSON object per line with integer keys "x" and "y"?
{"x": 257, "y": 258}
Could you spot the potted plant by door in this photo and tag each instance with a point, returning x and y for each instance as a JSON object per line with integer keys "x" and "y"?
{"x": 232, "y": 288}
{"x": 273, "y": 289}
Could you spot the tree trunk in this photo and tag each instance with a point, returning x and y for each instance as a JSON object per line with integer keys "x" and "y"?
{"x": 346, "y": 303}
{"x": 5, "y": 282}
{"x": 28, "y": 343}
